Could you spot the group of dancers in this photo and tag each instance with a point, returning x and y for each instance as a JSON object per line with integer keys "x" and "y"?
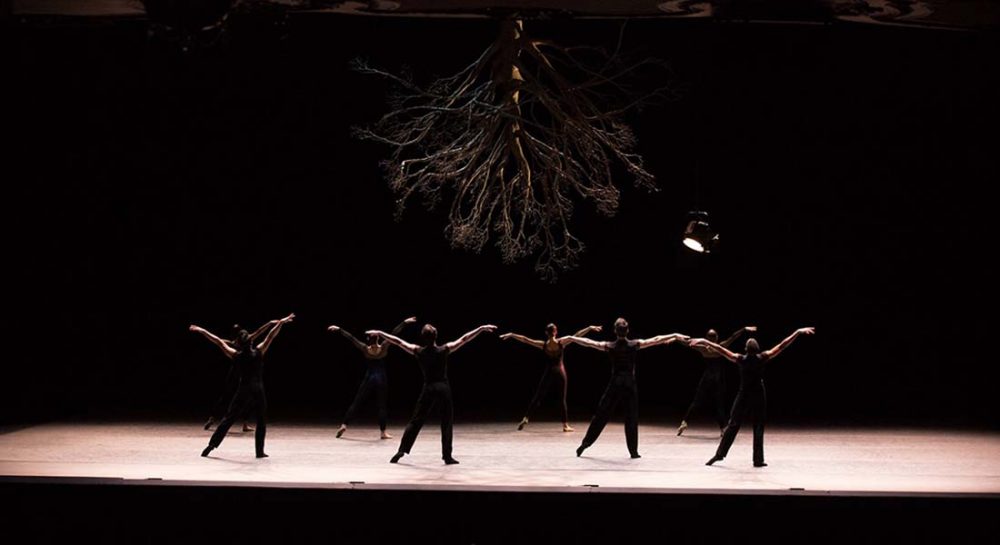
{"x": 247, "y": 356}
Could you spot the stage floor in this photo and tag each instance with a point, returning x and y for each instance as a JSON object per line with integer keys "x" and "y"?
{"x": 828, "y": 461}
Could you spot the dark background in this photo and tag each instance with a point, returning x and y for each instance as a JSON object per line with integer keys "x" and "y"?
{"x": 847, "y": 169}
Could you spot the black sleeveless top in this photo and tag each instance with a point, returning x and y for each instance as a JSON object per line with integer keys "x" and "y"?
{"x": 751, "y": 370}
{"x": 250, "y": 363}
{"x": 376, "y": 361}
{"x": 623, "y": 353}
{"x": 554, "y": 351}
{"x": 433, "y": 362}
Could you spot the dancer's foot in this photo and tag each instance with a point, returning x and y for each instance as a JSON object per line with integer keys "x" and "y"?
{"x": 567, "y": 427}
{"x": 682, "y": 427}
{"x": 524, "y": 422}
{"x": 635, "y": 455}
{"x": 713, "y": 460}
{"x": 208, "y": 449}
{"x": 759, "y": 464}
{"x": 247, "y": 428}
{"x": 580, "y": 450}
{"x": 210, "y": 423}
{"x": 262, "y": 455}
{"x": 385, "y": 435}
{"x": 396, "y": 457}
{"x": 341, "y": 431}
{"x": 450, "y": 461}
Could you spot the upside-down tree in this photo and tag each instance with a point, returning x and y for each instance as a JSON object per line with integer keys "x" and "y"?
{"x": 513, "y": 141}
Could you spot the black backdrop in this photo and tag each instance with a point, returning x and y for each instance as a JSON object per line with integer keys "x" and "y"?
{"x": 847, "y": 168}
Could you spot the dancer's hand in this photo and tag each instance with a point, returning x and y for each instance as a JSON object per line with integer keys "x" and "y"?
{"x": 194, "y": 328}
{"x": 597, "y": 328}
{"x": 751, "y": 328}
{"x": 410, "y": 320}
{"x": 373, "y": 332}
{"x": 806, "y": 331}
{"x": 506, "y": 336}
{"x": 490, "y": 328}
{"x": 288, "y": 318}
{"x": 333, "y": 328}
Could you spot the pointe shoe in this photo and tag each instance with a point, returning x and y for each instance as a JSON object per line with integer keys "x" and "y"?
{"x": 524, "y": 422}
{"x": 385, "y": 435}
{"x": 450, "y": 461}
{"x": 396, "y": 457}
{"x": 713, "y": 460}
{"x": 208, "y": 449}
{"x": 682, "y": 427}
{"x": 567, "y": 428}
{"x": 209, "y": 424}
{"x": 341, "y": 431}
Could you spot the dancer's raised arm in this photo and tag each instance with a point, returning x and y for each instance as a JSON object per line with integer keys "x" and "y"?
{"x": 589, "y": 343}
{"x": 399, "y": 328}
{"x": 214, "y": 339}
{"x": 266, "y": 343}
{"x": 780, "y": 347}
{"x": 732, "y": 338}
{"x": 521, "y": 338}
{"x": 582, "y": 333}
{"x": 409, "y": 348}
{"x": 661, "y": 339}
{"x": 357, "y": 344}
{"x": 715, "y": 347}
{"x": 460, "y": 342}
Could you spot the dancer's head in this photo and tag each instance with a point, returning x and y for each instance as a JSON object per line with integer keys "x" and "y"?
{"x": 241, "y": 339}
{"x": 712, "y": 335}
{"x": 752, "y": 346}
{"x": 551, "y": 330}
{"x": 621, "y": 328}
{"x": 428, "y": 334}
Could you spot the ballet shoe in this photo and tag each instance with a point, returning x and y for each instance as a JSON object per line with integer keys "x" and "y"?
{"x": 247, "y": 428}
{"x": 635, "y": 455}
{"x": 341, "y": 431}
{"x": 262, "y": 455}
{"x": 713, "y": 460}
{"x": 208, "y": 449}
{"x": 450, "y": 461}
{"x": 396, "y": 457}
{"x": 580, "y": 450}
{"x": 524, "y": 422}
{"x": 682, "y": 427}
{"x": 208, "y": 425}
{"x": 759, "y": 464}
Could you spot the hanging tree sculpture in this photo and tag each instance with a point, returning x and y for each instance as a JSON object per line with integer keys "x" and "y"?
{"x": 513, "y": 140}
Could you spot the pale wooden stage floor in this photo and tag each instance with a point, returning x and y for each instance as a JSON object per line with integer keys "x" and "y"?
{"x": 497, "y": 457}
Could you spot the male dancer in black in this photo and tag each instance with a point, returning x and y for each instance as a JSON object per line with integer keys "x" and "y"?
{"x": 375, "y": 376}
{"x": 249, "y": 360}
{"x": 433, "y": 360}
{"x": 622, "y": 386}
{"x": 233, "y": 380}
{"x": 751, "y": 400}
{"x": 713, "y": 380}
{"x": 553, "y": 347}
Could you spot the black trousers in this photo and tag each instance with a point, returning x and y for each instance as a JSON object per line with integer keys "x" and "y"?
{"x": 622, "y": 388}
{"x": 711, "y": 388}
{"x": 378, "y": 384}
{"x": 249, "y": 399}
{"x": 433, "y": 394}
{"x": 751, "y": 403}
{"x": 552, "y": 373}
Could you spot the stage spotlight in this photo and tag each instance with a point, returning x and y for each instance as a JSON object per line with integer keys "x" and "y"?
{"x": 698, "y": 235}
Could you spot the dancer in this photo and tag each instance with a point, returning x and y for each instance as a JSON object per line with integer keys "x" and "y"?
{"x": 249, "y": 398}
{"x": 375, "y": 376}
{"x": 622, "y": 385}
{"x": 553, "y": 347}
{"x": 751, "y": 400}
{"x": 433, "y": 360}
{"x": 233, "y": 381}
{"x": 713, "y": 380}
